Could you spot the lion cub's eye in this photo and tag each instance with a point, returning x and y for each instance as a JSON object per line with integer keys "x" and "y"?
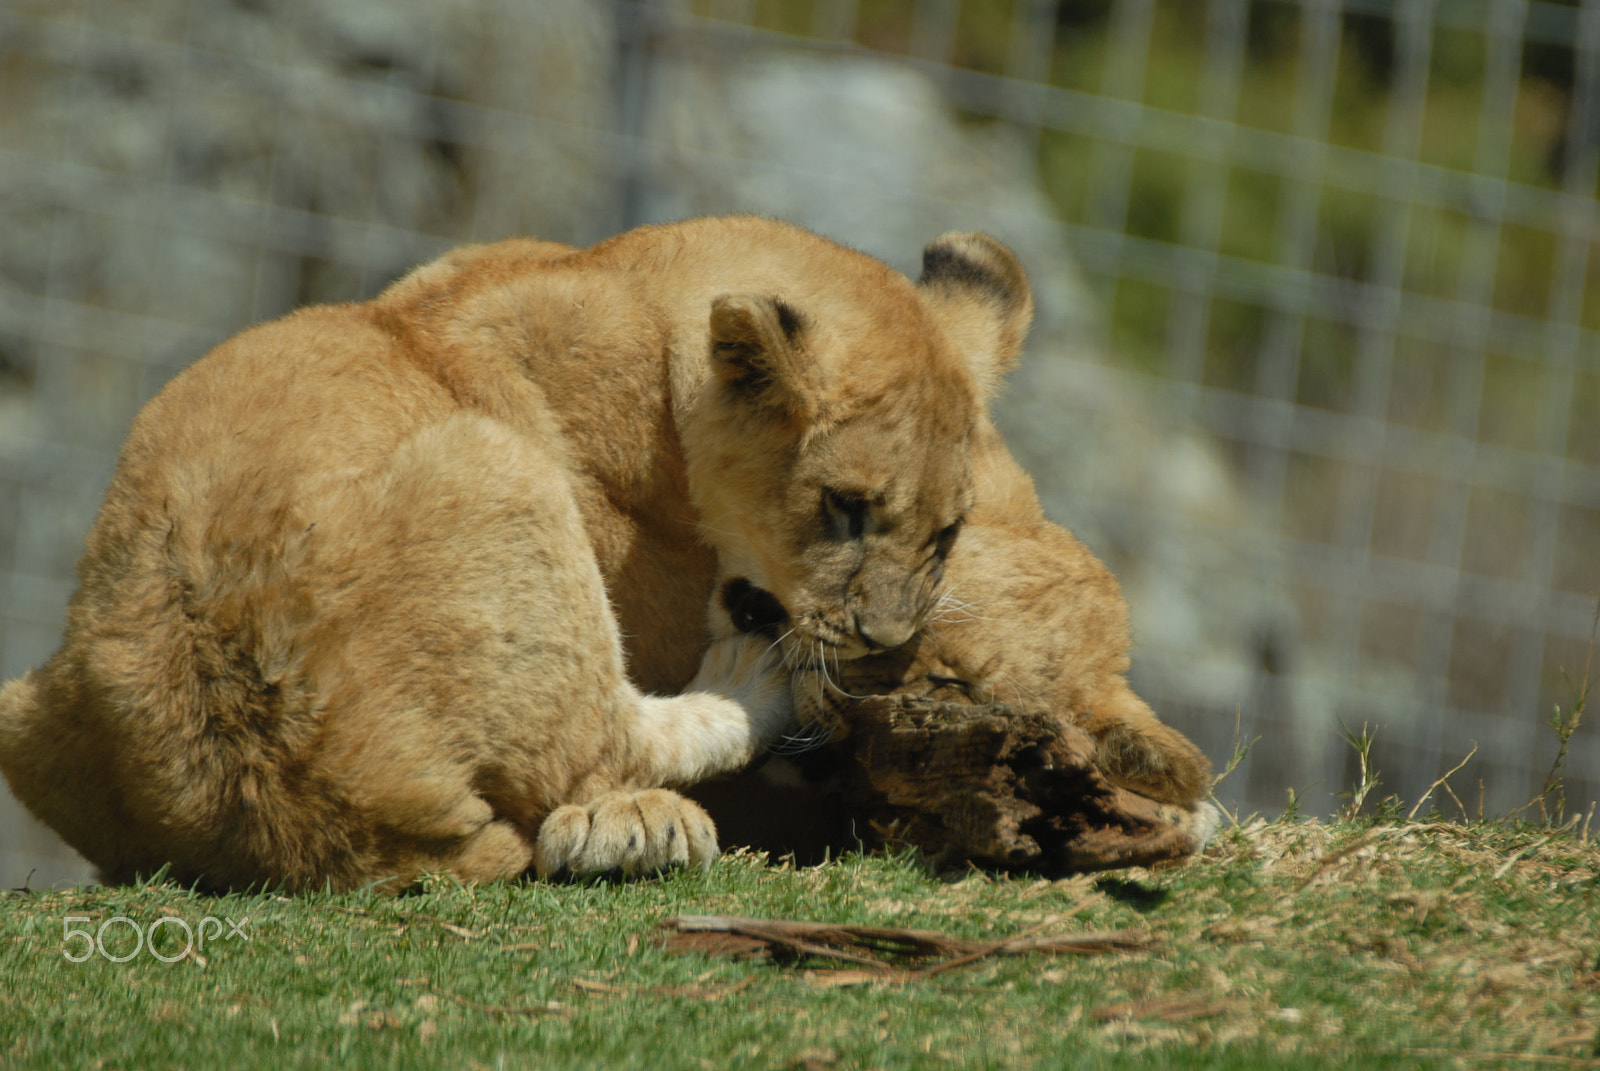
{"x": 945, "y": 538}
{"x": 846, "y": 512}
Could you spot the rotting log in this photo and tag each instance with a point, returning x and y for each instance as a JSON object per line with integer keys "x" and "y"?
{"x": 1000, "y": 787}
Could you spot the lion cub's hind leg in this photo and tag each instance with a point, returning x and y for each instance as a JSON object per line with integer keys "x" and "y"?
{"x": 441, "y": 825}
{"x": 525, "y": 700}
{"x": 498, "y": 850}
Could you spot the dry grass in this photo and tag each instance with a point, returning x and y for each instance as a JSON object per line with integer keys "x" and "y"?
{"x": 1478, "y": 942}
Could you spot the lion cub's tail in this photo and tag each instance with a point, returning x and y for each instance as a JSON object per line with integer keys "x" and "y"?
{"x": 19, "y": 703}
{"x": 25, "y": 764}
{"x": 44, "y": 750}
{"x": 15, "y": 695}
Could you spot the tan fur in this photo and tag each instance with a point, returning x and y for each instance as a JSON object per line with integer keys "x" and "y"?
{"x": 370, "y": 582}
{"x": 1028, "y": 617}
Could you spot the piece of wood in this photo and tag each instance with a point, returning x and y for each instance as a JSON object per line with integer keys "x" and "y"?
{"x": 1000, "y": 787}
{"x": 878, "y": 948}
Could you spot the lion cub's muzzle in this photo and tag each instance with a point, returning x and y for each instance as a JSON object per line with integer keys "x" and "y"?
{"x": 756, "y": 611}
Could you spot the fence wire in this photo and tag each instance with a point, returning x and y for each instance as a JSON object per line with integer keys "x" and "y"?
{"x": 1344, "y": 247}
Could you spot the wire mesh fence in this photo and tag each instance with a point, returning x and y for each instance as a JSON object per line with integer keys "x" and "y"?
{"x": 1316, "y": 367}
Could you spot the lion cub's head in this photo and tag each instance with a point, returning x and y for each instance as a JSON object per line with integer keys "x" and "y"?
{"x": 1030, "y": 618}
{"x": 1027, "y": 617}
{"x": 830, "y": 459}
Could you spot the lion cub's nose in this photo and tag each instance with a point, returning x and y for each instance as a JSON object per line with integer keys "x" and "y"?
{"x": 882, "y": 635}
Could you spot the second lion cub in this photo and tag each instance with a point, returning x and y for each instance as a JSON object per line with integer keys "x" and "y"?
{"x": 1028, "y": 617}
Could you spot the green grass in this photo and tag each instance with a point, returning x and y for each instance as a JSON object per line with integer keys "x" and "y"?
{"x": 1288, "y": 944}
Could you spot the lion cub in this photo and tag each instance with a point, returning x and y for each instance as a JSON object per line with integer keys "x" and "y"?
{"x": 1028, "y": 617}
{"x": 1031, "y": 618}
{"x": 367, "y": 585}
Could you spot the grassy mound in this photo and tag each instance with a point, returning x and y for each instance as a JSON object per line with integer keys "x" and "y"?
{"x": 1391, "y": 944}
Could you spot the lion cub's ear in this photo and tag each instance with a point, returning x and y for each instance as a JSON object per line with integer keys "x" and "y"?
{"x": 758, "y": 349}
{"x": 979, "y": 292}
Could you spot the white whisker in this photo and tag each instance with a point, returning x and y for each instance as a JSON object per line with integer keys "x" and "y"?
{"x": 821, "y": 675}
{"x": 775, "y": 643}
{"x": 707, "y": 529}
{"x": 1029, "y": 696}
{"x": 836, "y": 686}
{"x": 954, "y": 610}
{"x": 806, "y": 738}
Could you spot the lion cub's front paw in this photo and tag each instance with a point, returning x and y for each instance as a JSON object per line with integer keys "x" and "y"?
{"x": 750, "y": 671}
{"x": 1153, "y": 760}
{"x": 634, "y": 832}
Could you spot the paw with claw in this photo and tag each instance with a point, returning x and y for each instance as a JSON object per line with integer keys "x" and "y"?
{"x": 631, "y": 832}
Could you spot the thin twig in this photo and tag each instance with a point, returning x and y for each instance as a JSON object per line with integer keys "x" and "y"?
{"x": 1518, "y": 854}
{"x": 991, "y": 949}
{"x": 1000, "y": 947}
{"x": 1333, "y": 858}
{"x": 824, "y": 939}
{"x": 1441, "y": 781}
